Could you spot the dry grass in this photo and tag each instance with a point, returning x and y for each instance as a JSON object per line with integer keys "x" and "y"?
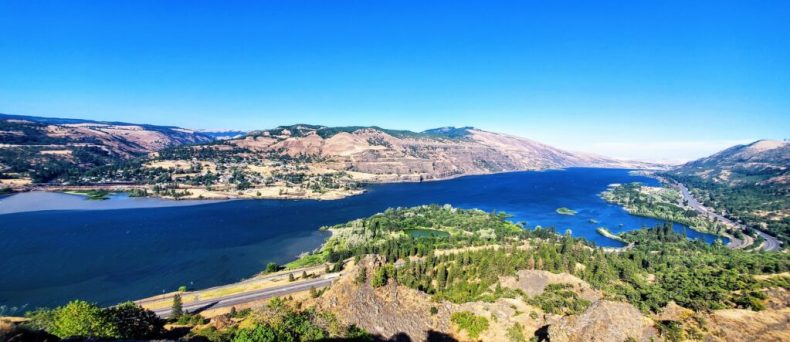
{"x": 769, "y": 276}
{"x": 15, "y": 182}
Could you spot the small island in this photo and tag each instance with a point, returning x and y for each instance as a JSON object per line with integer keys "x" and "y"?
{"x": 93, "y": 195}
{"x": 566, "y": 211}
{"x": 605, "y": 232}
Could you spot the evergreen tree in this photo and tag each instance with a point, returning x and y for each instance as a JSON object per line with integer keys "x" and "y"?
{"x": 177, "y": 309}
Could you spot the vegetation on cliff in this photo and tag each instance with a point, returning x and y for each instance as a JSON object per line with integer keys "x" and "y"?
{"x": 279, "y": 320}
{"x": 662, "y": 266}
{"x": 85, "y": 320}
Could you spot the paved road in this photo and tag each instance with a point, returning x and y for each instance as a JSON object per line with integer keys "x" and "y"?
{"x": 246, "y": 297}
{"x": 771, "y": 243}
{"x": 296, "y": 272}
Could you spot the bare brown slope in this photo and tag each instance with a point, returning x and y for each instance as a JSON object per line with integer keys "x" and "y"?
{"x": 763, "y": 162}
{"x": 388, "y": 157}
{"x": 120, "y": 139}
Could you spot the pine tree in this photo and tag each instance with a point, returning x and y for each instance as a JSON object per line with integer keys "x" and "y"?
{"x": 441, "y": 276}
{"x": 178, "y": 309}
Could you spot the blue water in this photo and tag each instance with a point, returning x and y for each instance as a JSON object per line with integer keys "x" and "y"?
{"x": 108, "y": 256}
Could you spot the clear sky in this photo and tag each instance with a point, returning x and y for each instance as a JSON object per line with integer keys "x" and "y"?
{"x": 652, "y": 80}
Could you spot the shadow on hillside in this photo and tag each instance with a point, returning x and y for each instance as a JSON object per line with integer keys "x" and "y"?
{"x": 542, "y": 334}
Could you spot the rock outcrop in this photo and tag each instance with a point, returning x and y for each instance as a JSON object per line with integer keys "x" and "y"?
{"x": 604, "y": 321}
{"x": 386, "y": 311}
{"x": 533, "y": 282}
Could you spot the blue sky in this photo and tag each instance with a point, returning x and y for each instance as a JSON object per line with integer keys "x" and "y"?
{"x": 654, "y": 80}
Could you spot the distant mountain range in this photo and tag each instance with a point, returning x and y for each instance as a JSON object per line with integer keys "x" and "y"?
{"x": 116, "y": 138}
{"x": 431, "y": 154}
{"x": 46, "y": 149}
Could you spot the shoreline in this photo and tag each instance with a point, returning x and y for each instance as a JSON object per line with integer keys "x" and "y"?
{"x": 40, "y": 201}
{"x": 731, "y": 239}
{"x": 127, "y": 187}
{"x": 733, "y": 242}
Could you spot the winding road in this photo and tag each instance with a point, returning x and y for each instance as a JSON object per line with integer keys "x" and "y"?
{"x": 771, "y": 243}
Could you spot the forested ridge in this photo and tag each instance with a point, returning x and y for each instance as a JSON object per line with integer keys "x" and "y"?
{"x": 692, "y": 273}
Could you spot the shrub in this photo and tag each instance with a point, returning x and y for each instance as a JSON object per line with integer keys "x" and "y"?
{"x": 559, "y": 299}
{"x": 82, "y": 319}
{"x": 473, "y": 324}
{"x": 258, "y": 333}
{"x": 40, "y": 319}
{"x": 272, "y": 267}
{"x": 134, "y": 322}
{"x": 191, "y": 319}
{"x": 516, "y": 333}
{"x": 362, "y": 275}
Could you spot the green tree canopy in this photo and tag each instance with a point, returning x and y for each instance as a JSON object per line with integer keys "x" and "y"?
{"x": 82, "y": 319}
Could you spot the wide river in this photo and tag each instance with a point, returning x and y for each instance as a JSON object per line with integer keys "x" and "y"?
{"x": 56, "y": 247}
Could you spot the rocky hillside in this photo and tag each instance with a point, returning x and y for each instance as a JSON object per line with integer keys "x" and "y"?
{"x": 298, "y": 161}
{"x": 763, "y": 162}
{"x": 45, "y": 147}
{"x": 392, "y": 310}
{"x": 117, "y": 138}
{"x": 309, "y": 161}
{"x": 387, "y": 155}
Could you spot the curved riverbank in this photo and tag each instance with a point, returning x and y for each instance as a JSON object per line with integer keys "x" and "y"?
{"x": 44, "y": 200}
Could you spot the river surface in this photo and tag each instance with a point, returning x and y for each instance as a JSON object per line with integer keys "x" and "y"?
{"x": 58, "y": 247}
